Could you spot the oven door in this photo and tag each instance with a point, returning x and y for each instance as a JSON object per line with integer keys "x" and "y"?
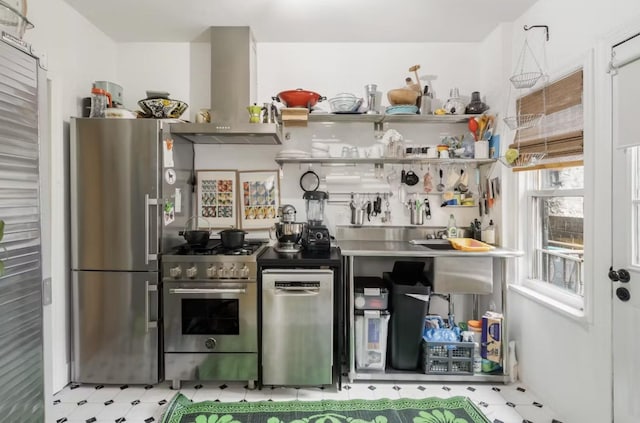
{"x": 210, "y": 317}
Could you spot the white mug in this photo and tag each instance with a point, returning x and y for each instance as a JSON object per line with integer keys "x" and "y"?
{"x": 432, "y": 153}
{"x": 444, "y": 154}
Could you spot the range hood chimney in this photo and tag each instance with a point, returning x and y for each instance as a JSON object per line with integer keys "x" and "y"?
{"x": 233, "y": 88}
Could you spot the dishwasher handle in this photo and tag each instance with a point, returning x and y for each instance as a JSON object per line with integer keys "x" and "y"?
{"x": 297, "y": 291}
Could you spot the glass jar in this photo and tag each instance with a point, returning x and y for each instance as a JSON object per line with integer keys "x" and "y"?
{"x": 99, "y": 102}
{"x": 454, "y": 105}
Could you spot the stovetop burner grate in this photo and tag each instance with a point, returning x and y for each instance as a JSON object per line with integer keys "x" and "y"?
{"x": 214, "y": 247}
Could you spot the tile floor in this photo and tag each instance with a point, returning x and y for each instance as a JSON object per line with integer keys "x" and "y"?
{"x": 145, "y": 404}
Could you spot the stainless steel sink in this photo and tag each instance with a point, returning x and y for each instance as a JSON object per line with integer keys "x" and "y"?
{"x": 434, "y": 244}
{"x": 458, "y": 274}
{"x": 439, "y": 246}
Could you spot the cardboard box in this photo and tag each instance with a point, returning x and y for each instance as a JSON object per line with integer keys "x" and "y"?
{"x": 491, "y": 346}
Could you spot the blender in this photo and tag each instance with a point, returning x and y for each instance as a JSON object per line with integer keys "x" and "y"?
{"x": 288, "y": 232}
{"x": 317, "y": 236}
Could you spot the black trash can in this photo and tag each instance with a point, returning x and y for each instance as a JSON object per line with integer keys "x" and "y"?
{"x": 407, "y": 313}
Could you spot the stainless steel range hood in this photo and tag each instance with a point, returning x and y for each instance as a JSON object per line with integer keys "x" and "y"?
{"x": 233, "y": 86}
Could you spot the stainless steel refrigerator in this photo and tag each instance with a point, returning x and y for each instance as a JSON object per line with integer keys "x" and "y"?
{"x": 130, "y": 194}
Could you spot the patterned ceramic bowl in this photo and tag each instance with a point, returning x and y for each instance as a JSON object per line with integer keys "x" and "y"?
{"x": 163, "y": 108}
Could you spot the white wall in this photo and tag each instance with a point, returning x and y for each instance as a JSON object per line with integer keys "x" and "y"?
{"x": 154, "y": 67}
{"x": 77, "y": 54}
{"x": 333, "y": 68}
{"x": 566, "y": 362}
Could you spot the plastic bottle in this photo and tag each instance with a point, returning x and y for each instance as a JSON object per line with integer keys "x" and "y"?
{"x": 452, "y": 230}
{"x": 477, "y": 360}
{"x": 489, "y": 234}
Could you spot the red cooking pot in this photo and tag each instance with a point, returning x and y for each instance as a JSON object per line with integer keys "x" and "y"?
{"x": 299, "y": 98}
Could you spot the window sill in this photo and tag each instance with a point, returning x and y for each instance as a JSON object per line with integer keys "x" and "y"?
{"x": 559, "y": 307}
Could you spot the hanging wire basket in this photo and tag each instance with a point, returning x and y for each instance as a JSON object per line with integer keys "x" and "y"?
{"x": 523, "y": 160}
{"x": 525, "y": 80}
{"x": 523, "y": 121}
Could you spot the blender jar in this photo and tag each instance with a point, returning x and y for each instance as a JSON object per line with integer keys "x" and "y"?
{"x": 314, "y": 205}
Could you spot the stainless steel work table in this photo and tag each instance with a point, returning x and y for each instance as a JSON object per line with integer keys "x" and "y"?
{"x": 352, "y": 249}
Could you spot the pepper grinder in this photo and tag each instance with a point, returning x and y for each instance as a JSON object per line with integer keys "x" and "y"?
{"x": 371, "y": 91}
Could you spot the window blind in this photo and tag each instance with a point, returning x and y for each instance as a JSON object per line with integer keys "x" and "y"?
{"x": 560, "y": 134}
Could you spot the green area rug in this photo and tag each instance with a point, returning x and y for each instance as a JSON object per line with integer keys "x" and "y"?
{"x": 428, "y": 410}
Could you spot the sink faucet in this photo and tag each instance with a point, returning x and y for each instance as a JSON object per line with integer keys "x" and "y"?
{"x": 441, "y": 234}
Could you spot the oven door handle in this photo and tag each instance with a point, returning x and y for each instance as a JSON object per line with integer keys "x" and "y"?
{"x": 207, "y": 291}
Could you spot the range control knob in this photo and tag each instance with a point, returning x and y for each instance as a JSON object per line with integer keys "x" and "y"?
{"x": 192, "y": 272}
{"x": 244, "y": 272}
{"x": 175, "y": 272}
{"x": 223, "y": 272}
{"x": 212, "y": 272}
{"x": 319, "y": 235}
{"x": 233, "y": 271}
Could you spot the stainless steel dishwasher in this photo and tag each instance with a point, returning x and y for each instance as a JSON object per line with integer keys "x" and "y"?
{"x": 297, "y": 327}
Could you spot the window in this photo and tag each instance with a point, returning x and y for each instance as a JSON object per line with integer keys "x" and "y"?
{"x": 555, "y": 242}
{"x": 553, "y": 231}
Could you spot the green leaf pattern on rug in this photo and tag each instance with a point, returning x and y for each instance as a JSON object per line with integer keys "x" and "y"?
{"x": 213, "y": 418}
{"x": 329, "y": 418}
{"x": 437, "y": 416}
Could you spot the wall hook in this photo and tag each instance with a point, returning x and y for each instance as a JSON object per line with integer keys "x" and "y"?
{"x": 546, "y": 29}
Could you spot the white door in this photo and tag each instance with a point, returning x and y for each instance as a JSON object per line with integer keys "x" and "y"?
{"x": 625, "y": 272}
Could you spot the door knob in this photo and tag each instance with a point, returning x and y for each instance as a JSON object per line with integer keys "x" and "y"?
{"x": 623, "y": 294}
{"x": 621, "y": 275}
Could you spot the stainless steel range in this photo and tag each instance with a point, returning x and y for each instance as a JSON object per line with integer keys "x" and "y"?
{"x": 210, "y": 313}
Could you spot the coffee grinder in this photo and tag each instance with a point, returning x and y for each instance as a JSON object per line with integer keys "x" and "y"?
{"x": 317, "y": 235}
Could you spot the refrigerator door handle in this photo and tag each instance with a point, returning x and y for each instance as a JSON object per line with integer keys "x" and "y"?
{"x": 148, "y": 202}
{"x": 148, "y": 289}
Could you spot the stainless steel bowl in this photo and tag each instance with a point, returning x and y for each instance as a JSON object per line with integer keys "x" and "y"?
{"x": 289, "y": 232}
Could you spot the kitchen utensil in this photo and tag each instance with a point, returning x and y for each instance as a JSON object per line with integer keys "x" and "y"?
{"x": 416, "y": 215}
{"x": 114, "y": 92}
{"x": 428, "y": 181}
{"x": 196, "y": 237}
{"x": 411, "y": 178}
{"x": 402, "y": 96}
{"x": 344, "y": 102}
{"x": 454, "y": 106}
{"x": 427, "y": 208}
{"x": 232, "y": 238}
{"x": 99, "y": 102}
{"x": 287, "y": 213}
{"x": 440, "y": 186}
{"x": 288, "y": 232}
{"x": 369, "y": 211}
{"x": 255, "y": 112}
{"x": 162, "y": 108}
{"x": 377, "y": 206}
{"x": 473, "y": 127}
{"x": 476, "y": 106}
{"x": 414, "y": 69}
{"x": 461, "y": 185}
{"x": 299, "y": 98}
{"x": 403, "y": 177}
{"x": 371, "y": 91}
{"x": 13, "y": 17}
{"x": 309, "y": 181}
{"x": 357, "y": 216}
